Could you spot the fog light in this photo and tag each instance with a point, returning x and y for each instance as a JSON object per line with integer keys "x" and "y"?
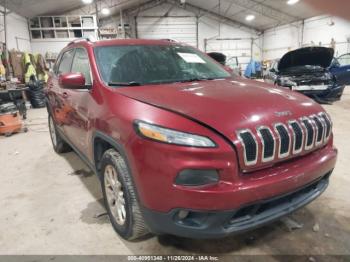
{"x": 183, "y": 214}
{"x": 197, "y": 177}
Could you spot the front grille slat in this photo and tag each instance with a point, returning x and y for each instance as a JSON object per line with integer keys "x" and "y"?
{"x": 268, "y": 143}
{"x": 297, "y": 136}
{"x": 328, "y": 125}
{"x": 250, "y": 147}
{"x": 310, "y": 133}
{"x": 319, "y": 126}
{"x": 284, "y": 139}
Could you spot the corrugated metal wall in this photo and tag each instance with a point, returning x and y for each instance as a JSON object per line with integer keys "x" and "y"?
{"x": 183, "y": 29}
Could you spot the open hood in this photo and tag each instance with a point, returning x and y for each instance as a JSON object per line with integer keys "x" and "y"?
{"x": 313, "y": 56}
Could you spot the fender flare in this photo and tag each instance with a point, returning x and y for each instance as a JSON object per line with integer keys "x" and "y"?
{"x": 114, "y": 143}
{"x": 120, "y": 149}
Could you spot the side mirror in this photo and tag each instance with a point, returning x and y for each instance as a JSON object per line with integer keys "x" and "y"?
{"x": 72, "y": 81}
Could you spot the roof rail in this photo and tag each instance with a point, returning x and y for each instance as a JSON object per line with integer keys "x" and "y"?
{"x": 88, "y": 39}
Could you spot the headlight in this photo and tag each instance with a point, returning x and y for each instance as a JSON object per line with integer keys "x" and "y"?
{"x": 285, "y": 81}
{"x": 171, "y": 136}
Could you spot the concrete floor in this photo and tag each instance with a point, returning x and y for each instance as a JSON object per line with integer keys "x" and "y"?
{"x": 50, "y": 204}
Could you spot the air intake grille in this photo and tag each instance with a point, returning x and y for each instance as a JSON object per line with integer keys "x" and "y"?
{"x": 328, "y": 125}
{"x": 250, "y": 146}
{"x": 284, "y": 139}
{"x": 319, "y": 128}
{"x": 306, "y": 133}
{"x": 298, "y": 136}
{"x": 310, "y": 133}
{"x": 268, "y": 143}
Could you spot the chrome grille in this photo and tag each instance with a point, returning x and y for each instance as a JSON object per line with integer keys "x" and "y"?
{"x": 310, "y": 132}
{"x": 298, "y": 136}
{"x": 284, "y": 139}
{"x": 250, "y": 146}
{"x": 268, "y": 143}
{"x": 328, "y": 124}
{"x": 320, "y": 128}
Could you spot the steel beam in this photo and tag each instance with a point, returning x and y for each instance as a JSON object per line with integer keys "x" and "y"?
{"x": 266, "y": 10}
{"x": 223, "y": 19}
{"x": 135, "y": 10}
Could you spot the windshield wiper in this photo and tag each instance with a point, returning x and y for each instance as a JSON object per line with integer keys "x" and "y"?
{"x": 132, "y": 83}
{"x": 196, "y": 79}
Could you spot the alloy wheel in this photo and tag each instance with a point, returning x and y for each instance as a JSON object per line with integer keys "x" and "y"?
{"x": 115, "y": 195}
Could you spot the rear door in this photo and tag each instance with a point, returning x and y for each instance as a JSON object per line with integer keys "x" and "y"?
{"x": 341, "y": 69}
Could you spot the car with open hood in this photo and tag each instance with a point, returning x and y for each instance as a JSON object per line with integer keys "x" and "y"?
{"x": 179, "y": 144}
{"x": 311, "y": 71}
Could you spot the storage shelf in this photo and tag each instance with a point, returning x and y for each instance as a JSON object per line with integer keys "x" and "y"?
{"x": 62, "y": 27}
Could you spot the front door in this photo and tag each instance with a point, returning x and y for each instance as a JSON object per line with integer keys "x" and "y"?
{"x": 58, "y": 95}
{"x": 79, "y": 126}
{"x": 341, "y": 69}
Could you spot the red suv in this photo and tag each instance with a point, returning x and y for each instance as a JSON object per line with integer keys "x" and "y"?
{"x": 180, "y": 145}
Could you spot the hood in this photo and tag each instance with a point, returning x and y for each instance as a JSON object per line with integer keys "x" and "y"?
{"x": 226, "y": 105}
{"x": 312, "y": 56}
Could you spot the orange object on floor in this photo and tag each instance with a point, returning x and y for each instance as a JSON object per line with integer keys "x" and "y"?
{"x": 10, "y": 123}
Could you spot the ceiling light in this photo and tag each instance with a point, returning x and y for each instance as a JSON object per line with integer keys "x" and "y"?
{"x": 250, "y": 17}
{"x": 292, "y": 2}
{"x": 105, "y": 11}
{"x": 87, "y": 1}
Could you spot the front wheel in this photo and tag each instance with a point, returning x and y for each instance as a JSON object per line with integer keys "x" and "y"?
{"x": 120, "y": 198}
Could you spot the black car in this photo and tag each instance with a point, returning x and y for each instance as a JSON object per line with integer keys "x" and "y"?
{"x": 313, "y": 72}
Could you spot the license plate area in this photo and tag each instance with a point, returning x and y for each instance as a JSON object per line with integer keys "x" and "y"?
{"x": 310, "y": 88}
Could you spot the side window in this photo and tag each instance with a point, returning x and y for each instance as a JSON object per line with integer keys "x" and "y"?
{"x": 81, "y": 64}
{"x": 57, "y": 62}
{"x": 66, "y": 62}
{"x": 344, "y": 60}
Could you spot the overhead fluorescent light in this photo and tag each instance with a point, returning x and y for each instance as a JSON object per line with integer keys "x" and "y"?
{"x": 292, "y": 2}
{"x": 250, "y": 17}
{"x": 105, "y": 11}
{"x": 87, "y": 1}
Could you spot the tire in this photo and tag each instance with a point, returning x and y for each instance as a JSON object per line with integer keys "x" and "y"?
{"x": 129, "y": 224}
{"x": 59, "y": 145}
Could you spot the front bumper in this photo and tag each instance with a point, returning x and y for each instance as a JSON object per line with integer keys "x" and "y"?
{"x": 217, "y": 224}
{"x": 155, "y": 180}
{"x": 331, "y": 94}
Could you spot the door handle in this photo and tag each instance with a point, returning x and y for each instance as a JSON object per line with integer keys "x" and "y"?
{"x": 65, "y": 95}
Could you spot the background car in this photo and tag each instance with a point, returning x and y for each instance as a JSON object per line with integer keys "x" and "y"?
{"x": 271, "y": 73}
{"x": 311, "y": 71}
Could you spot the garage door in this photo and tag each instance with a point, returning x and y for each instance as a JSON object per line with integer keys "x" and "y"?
{"x": 182, "y": 29}
{"x": 240, "y": 48}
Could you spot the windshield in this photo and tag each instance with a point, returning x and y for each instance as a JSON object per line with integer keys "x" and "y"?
{"x": 152, "y": 64}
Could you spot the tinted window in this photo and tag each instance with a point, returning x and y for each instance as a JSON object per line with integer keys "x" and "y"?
{"x": 81, "y": 64}
{"x": 66, "y": 62}
{"x": 155, "y": 64}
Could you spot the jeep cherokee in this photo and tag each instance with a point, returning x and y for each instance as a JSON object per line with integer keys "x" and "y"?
{"x": 182, "y": 147}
